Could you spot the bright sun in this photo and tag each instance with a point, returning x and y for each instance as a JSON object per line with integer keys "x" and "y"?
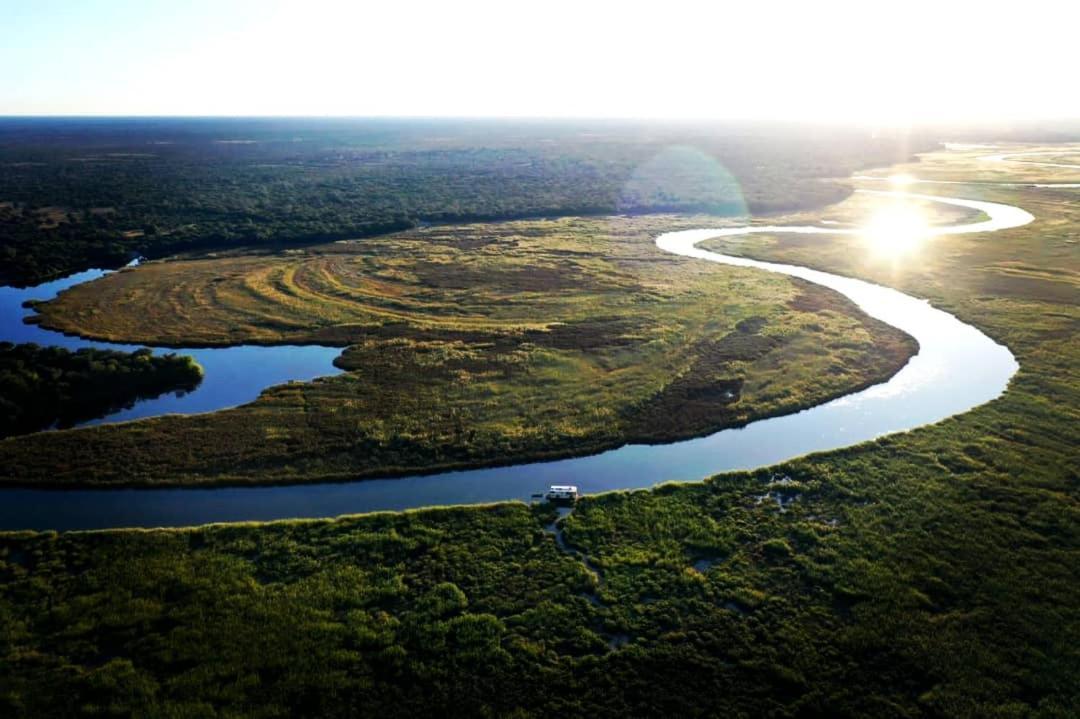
{"x": 896, "y": 231}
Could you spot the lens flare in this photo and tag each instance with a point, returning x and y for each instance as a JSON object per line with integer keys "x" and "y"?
{"x": 681, "y": 176}
{"x": 896, "y": 231}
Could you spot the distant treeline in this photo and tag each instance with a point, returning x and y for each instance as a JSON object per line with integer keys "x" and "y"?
{"x": 93, "y": 192}
{"x": 42, "y": 387}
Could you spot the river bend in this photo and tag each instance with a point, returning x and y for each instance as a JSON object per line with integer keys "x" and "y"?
{"x": 957, "y": 368}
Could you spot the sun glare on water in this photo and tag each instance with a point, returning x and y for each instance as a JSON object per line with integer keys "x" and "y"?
{"x": 896, "y": 231}
{"x": 901, "y": 180}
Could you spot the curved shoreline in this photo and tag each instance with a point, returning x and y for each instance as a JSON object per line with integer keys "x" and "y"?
{"x": 229, "y": 370}
{"x": 957, "y": 368}
{"x": 1008, "y": 157}
{"x": 391, "y": 473}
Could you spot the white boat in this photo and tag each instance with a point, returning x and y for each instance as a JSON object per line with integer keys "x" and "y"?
{"x": 562, "y": 493}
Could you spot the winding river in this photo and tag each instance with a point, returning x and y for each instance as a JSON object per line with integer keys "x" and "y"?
{"x": 1010, "y": 157}
{"x": 957, "y": 368}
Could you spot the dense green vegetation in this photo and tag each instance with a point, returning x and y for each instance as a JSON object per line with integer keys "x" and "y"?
{"x": 934, "y": 573}
{"x": 42, "y": 387}
{"x": 93, "y": 192}
{"x": 467, "y": 346}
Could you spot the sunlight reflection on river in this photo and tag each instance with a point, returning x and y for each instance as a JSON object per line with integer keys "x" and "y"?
{"x": 956, "y": 369}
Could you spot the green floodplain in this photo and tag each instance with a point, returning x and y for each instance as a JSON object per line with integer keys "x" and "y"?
{"x": 930, "y": 573}
{"x": 463, "y": 346}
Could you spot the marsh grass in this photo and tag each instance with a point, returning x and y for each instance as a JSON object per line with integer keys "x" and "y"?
{"x": 464, "y": 346}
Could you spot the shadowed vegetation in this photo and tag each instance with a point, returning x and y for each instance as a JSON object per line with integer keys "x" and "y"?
{"x": 42, "y": 387}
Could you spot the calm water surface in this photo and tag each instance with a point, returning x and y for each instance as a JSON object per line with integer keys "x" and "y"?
{"x": 234, "y": 375}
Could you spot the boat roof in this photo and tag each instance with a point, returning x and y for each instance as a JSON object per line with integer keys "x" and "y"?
{"x": 562, "y": 488}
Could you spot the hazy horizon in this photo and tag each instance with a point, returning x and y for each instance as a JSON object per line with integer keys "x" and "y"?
{"x": 836, "y": 61}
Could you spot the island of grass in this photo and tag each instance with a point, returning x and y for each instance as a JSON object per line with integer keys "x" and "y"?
{"x": 43, "y": 387}
{"x": 464, "y": 346}
{"x": 933, "y": 573}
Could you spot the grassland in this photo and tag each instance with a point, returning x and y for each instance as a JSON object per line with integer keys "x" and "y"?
{"x": 934, "y": 573}
{"x": 465, "y": 346}
{"x": 968, "y": 165}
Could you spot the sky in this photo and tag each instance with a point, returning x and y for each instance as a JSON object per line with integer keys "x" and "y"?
{"x": 897, "y": 62}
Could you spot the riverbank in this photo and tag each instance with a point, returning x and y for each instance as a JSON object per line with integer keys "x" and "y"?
{"x": 507, "y": 343}
{"x": 45, "y": 387}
